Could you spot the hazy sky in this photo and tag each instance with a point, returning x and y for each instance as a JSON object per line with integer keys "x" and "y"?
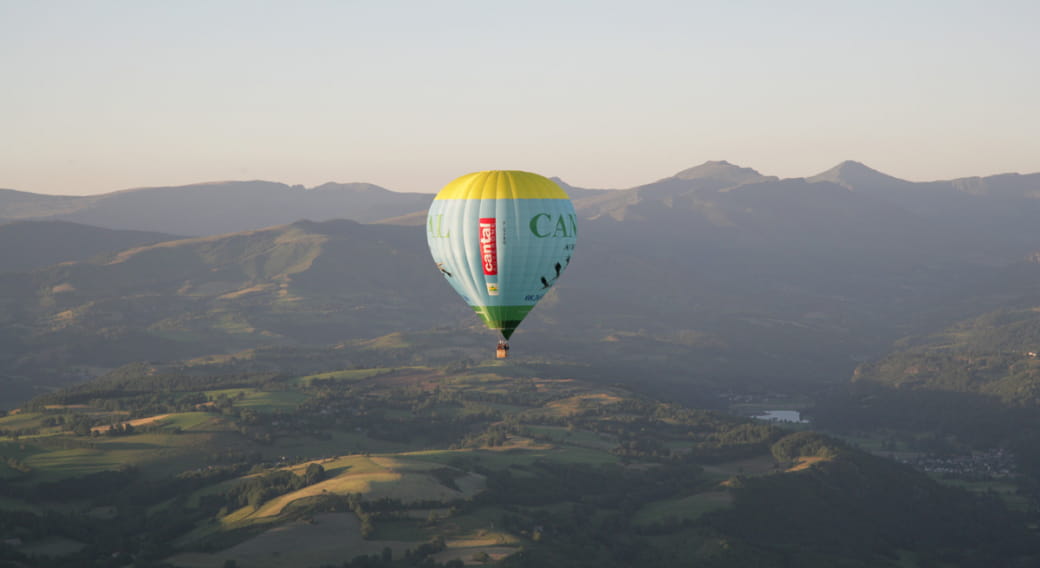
{"x": 98, "y": 96}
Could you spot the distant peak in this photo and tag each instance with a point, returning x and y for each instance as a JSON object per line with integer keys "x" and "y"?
{"x": 358, "y": 187}
{"x": 855, "y": 175}
{"x": 721, "y": 170}
{"x": 854, "y": 166}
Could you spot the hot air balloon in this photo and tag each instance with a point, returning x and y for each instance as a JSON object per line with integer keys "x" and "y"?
{"x": 502, "y": 239}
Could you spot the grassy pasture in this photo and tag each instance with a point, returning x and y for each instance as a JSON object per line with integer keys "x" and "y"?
{"x": 22, "y": 420}
{"x": 340, "y": 485}
{"x": 466, "y": 550}
{"x": 491, "y": 383}
{"x": 137, "y": 422}
{"x": 17, "y": 450}
{"x": 508, "y": 369}
{"x": 333, "y": 467}
{"x": 342, "y": 464}
{"x": 153, "y": 446}
{"x": 869, "y": 443}
{"x": 464, "y": 535}
{"x": 261, "y": 401}
{"x": 160, "y": 452}
{"x": 59, "y": 464}
{"x": 374, "y": 477}
{"x": 194, "y": 421}
{"x": 394, "y": 340}
{"x": 327, "y": 539}
{"x": 221, "y": 359}
{"x": 349, "y": 375}
{"x": 195, "y": 497}
{"x": 25, "y": 420}
{"x": 62, "y": 463}
{"x": 1005, "y": 489}
{"x": 575, "y": 404}
{"x": 476, "y": 528}
{"x": 502, "y": 458}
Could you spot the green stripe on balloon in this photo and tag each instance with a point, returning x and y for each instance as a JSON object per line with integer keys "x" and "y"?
{"x": 503, "y": 318}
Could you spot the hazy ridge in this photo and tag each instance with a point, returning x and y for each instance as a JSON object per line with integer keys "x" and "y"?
{"x": 729, "y": 274}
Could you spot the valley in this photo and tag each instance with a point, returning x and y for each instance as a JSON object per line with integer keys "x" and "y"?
{"x": 429, "y": 464}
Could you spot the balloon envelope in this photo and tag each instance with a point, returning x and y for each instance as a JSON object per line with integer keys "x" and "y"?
{"x": 502, "y": 239}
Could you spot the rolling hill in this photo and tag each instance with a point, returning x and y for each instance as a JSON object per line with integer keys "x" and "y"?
{"x": 27, "y": 245}
{"x": 307, "y": 282}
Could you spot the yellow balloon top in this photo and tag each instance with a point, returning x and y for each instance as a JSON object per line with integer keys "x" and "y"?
{"x": 502, "y": 184}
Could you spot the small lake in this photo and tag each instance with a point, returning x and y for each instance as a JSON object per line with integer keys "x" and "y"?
{"x": 792, "y": 416}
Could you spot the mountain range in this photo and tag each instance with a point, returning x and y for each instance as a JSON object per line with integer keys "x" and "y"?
{"x": 715, "y": 277}
{"x": 214, "y": 208}
{"x": 226, "y": 207}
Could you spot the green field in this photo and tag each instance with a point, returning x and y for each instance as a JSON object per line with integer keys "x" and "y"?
{"x": 326, "y": 539}
{"x": 581, "y": 438}
{"x": 21, "y": 420}
{"x": 57, "y": 464}
{"x": 1005, "y": 489}
{"x": 260, "y": 400}
{"x": 374, "y": 477}
{"x": 163, "y": 451}
{"x": 193, "y": 421}
{"x": 509, "y": 457}
{"x": 343, "y": 375}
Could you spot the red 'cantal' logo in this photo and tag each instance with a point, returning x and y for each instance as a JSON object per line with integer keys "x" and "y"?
{"x": 488, "y": 246}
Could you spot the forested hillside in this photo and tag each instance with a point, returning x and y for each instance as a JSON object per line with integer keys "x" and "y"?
{"x": 28, "y": 245}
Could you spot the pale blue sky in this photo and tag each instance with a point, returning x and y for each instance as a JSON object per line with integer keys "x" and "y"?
{"x": 104, "y": 95}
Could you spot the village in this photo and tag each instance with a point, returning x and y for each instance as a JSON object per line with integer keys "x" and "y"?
{"x": 977, "y": 466}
